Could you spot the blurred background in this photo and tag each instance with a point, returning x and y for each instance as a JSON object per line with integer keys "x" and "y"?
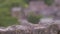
{"x": 32, "y": 10}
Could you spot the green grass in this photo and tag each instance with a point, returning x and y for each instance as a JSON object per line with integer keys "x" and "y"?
{"x": 33, "y": 18}
{"x": 5, "y": 17}
{"x": 5, "y": 13}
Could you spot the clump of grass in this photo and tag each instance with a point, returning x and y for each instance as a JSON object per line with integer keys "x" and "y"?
{"x": 34, "y": 18}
